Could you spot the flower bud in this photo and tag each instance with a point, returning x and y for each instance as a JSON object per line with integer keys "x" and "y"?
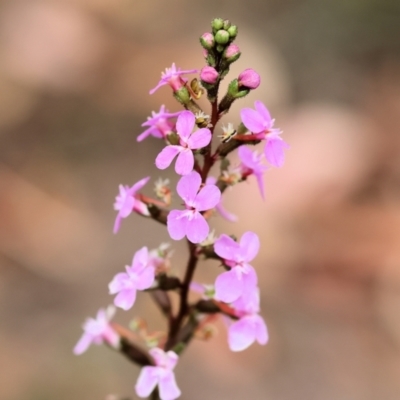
{"x": 227, "y": 24}
{"x": 209, "y": 75}
{"x": 232, "y": 53}
{"x": 249, "y": 79}
{"x": 233, "y": 31}
{"x": 217, "y": 24}
{"x": 207, "y": 40}
{"x": 222, "y": 37}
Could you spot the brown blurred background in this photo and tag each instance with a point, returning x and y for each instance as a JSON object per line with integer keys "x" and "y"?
{"x": 74, "y": 81}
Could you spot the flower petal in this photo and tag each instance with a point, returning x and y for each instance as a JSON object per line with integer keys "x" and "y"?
{"x": 184, "y": 163}
{"x": 252, "y": 120}
{"x": 260, "y": 330}
{"x": 263, "y": 111}
{"x": 176, "y": 224}
{"x": 117, "y": 223}
{"x": 208, "y": 197}
{"x": 125, "y": 299}
{"x": 197, "y": 228}
{"x": 273, "y": 151}
{"x": 188, "y": 186}
{"x": 228, "y": 287}
{"x": 83, "y": 343}
{"x": 225, "y": 214}
{"x": 138, "y": 185}
{"x": 118, "y": 283}
{"x": 140, "y": 259}
{"x": 241, "y": 334}
{"x": 260, "y": 182}
{"x": 166, "y": 156}
{"x": 146, "y": 278}
{"x": 199, "y": 139}
{"x": 146, "y": 382}
{"x": 185, "y": 124}
{"x": 249, "y": 246}
{"x": 168, "y": 388}
{"x": 226, "y": 247}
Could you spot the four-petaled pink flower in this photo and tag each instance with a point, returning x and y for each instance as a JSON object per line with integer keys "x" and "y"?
{"x": 98, "y": 331}
{"x": 251, "y": 164}
{"x": 138, "y": 276}
{"x": 260, "y": 123}
{"x": 188, "y": 141}
{"x": 250, "y": 326}
{"x": 172, "y": 77}
{"x": 127, "y": 201}
{"x": 241, "y": 279}
{"x": 161, "y": 374}
{"x": 219, "y": 207}
{"x": 190, "y": 222}
{"x": 159, "y": 124}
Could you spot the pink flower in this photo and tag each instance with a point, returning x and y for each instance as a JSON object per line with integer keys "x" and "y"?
{"x": 260, "y": 123}
{"x": 138, "y": 276}
{"x": 219, "y": 207}
{"x": 161, "y": 374}
{"x": 159, "y": 124}
{"x": 250, "y": 327}
{"x": 188, "y": 141}
{"x": 172, "y": 77}
{"x": 249, "y": 78}
{"x": 209, "y": 75}
{"x": 190, "y": 222}
{"x": 251, "y": 164}
{"x": 98, "y": 331}
{"x": 127, "y": 201}
{"x": 241, "y": 279}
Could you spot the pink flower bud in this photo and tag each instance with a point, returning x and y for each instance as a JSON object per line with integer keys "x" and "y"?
{"x": 232, "y": 53}
{"x": 207, "y": 40}
{"x": 249, "y": 78}
{"x": 209, "y": 75}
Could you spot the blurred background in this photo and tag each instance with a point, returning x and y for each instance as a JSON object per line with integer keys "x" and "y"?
{"x": 74, "y": 82}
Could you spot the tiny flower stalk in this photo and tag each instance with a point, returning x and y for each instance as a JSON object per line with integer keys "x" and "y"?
{"x": 197, "y": 145}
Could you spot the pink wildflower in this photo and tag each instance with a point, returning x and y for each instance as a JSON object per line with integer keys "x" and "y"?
{"x": 219, "y": 207}
{"x": 190, "y": 222}
{"x": 260, "y": 123}
{"x": 241, "y": 279}
{"x": 251, "y": 164}
{"x": 159, "y": 124}
{"x": 138, "y": 276}
{"x": 161, "y": 374}
{"x": 98, "y": 331}
{"x": 127, "y": 201}
{"x": 172, "y": 77}
{"x": 188, "y": 141}
{"x": 250, "y": 327}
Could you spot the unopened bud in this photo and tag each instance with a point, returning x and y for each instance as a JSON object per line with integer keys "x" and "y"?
{"x": 222, "y": 37}
{"x": 227, "y": 24}
{"x": 233, "y": 31}
{"x": 232, "y": 53}
{"x": 209, "y": 75}
{"x": 217, "y": 24}
{"x": 207, "y": 40}
{"x": 249, "y": 79}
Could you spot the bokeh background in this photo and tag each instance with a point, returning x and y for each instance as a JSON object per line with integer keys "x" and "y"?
{"x": 74, "y": 81}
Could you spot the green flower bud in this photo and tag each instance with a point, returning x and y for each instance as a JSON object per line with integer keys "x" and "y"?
{"x": 220, "y": 48}
{"x": 222, "y": 37}
{"x": 173, "y": 138}
{"x": 207, "y": 40}
{"x": 233, "y": 31}
{"x": 217, "y": 24}
{"x": 227, "y": 24}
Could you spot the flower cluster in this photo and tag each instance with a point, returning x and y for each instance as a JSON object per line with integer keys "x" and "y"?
{"x": 187, "y": 136}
